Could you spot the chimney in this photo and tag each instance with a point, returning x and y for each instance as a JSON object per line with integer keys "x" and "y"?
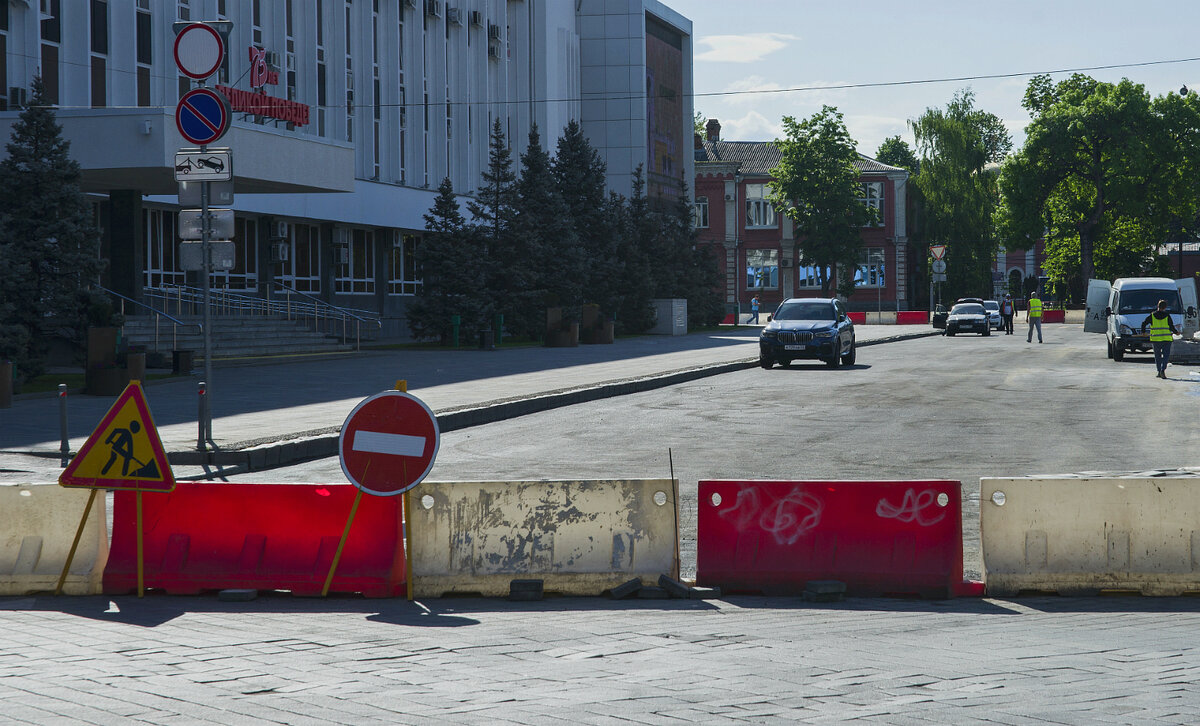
{"x": 697, "y": 141}
{"x": 713, "y": 129}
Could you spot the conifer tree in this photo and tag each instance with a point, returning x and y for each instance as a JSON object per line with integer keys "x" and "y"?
{"x": 49, "y": 246}
{"x": 545, "y": 238}
{"x": 637, "y": 281}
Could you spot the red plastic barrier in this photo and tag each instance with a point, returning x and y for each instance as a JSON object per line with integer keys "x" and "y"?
{"x": 1054, "y": 316}
{"x": 214, "y": 536}
{"x": 879, "y": 538}
{"x": 730, "y": 319}
{"x": 912, "y": 317}
{"x": 857, "y": 318}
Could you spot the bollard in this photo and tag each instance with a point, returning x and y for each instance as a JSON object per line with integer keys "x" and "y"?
{"x": 201, "y": 417}
{"x": 65, "y": 448}
{"x": 6, "y": 384}
{"x": 455, "y": 322}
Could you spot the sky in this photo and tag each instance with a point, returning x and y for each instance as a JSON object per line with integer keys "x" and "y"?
{"x": 769, "y": 45}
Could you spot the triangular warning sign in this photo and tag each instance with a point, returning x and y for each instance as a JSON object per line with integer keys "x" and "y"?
{"x": 124, "y": 452}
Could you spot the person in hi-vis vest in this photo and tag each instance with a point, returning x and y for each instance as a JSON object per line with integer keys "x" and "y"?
{"x": 1161, "y": 329}
{"x": 1033, "y": 314}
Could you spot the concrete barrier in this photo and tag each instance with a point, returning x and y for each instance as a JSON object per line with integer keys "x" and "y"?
{"x": 912, "y": 317}
{"x": 881, "y": 318}
{"x": 1080, "y": 536}
{"x": 578, "y": 537}
{"x": 36, "y": 531}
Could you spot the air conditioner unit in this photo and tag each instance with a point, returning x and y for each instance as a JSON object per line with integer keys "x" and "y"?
{"x": 341, "y": 236}
{"x": 433, "y": 8}
{"x": 278, "y": 230}
{"x": 343, "y": 254}
{"x": 477, "y": 18}
{"x": 18, "y": 97}
{"x": 411, "y": 3}
{"x": 272, "y": 59}
{"x": 454, "y": 15}
{"x": 493, "y": 51}
{"x": 493, "y": 31}
{"x": 280, "y": 251}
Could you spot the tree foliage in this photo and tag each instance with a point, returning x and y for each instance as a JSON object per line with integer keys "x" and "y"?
{"x": 895, "y": 151}
{"x": 48, "y": 243}
{"x": 816, "y": 185}
{"x": 1106, "y": 173}
{"x": 959, "y": 147}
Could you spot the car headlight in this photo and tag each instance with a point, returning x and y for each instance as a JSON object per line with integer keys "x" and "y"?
{"x": 768, "y": 334}
{"x": 828, "y": 333}
{"x": 1126, "y": 330}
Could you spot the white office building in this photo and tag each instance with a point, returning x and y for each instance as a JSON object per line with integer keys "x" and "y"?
{"x": 347, "y": 114}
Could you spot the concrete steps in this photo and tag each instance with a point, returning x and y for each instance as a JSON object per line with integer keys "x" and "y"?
{"x": 236, "y": 336}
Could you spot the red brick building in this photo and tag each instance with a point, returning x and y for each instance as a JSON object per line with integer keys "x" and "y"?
{"x": 759, "y": 245}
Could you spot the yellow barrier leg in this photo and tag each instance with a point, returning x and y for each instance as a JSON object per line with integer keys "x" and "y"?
{"x": 345, "y": 533}
{"x": 140, "y": 566}
{"x": 75, "y": 545}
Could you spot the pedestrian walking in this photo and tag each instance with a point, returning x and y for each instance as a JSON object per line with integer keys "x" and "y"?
{"x": 1007, "y": 311}
{"x": 1161, "y": 329}
{"x": 1033, "y": 315}
{"x": 754, "y": 304}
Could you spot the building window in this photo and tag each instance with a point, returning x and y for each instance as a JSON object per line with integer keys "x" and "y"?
{"x": 3, "y": 56}
{"x": 759, "y": 210}
{"x": 762, "y": 269}
{"x": 349, "y": 77}
{"x": 51, "y": 30}
{"x": 870, "y": 271}
{"x": 700, "y": 213}
{"x": 99, "y": 45}
{"x": 322, "y": 72}
{"x": 162, "y": 269}
{"x": 244, "y": 275}
{"x": 404, "y": 276}
{"x": 302, "y": 268}
{"x": 872, "y": 196}
{"x": 809, "y": 276}
{"x": 356, "y": 264}
{"x": 145, "y": 53}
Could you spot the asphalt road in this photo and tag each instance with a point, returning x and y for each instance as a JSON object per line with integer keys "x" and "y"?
{"x": 935, "y": 408}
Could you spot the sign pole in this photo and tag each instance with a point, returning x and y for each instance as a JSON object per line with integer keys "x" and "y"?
{"x": 406, "y": 510}
{"x": 206, "y": 227}
{"x": 140, "y": 567}
{"x": 75, "y": 544}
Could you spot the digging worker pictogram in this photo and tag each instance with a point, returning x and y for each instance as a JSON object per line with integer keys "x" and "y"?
{"x": 121, "y": 441}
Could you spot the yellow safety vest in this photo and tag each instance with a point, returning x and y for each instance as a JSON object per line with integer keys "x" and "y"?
{"x": 1160, "y": 330}
{"x": 1035, "y": 308}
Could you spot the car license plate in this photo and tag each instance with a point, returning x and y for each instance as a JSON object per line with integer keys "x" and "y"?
{"x": 794, "y": 347}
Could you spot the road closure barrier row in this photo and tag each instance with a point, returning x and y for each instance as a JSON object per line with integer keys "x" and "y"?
{"x": 578, "y": 537}
{"x": 912, "y": 317}
{"x": 37, "y": 527}
{"x": 877, "y": 537}
{"x": 215, "y": 536}
{"x": 1080, "y": 536}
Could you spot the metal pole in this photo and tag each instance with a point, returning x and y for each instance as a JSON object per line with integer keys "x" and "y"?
{"x": 65, "y": 448}
{"x": 200, "y": 415}
{"x": 206, "y": 230}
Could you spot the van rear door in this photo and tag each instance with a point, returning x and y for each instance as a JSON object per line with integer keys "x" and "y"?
{"x": 1187, "y": 297}
{"x": 1098, "y": 292}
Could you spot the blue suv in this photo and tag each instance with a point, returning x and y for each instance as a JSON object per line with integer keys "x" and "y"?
{"x": 811, "y": 328}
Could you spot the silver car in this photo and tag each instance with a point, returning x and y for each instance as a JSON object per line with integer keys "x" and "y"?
{"x": 993, "y": 309}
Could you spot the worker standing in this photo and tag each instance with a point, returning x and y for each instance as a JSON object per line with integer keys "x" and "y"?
{"x": 1007, "y": 310}
{"x": 1033, "y": 315}
{"x": 1161, "y": 329}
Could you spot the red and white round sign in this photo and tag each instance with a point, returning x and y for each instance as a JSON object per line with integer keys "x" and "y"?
{"x": 199, "y": 51}
{"x": 388, "y": 443}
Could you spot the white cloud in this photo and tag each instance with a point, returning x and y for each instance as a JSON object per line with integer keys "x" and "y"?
{"x": 751, "y": 127}
{"x": 748, "y": 48}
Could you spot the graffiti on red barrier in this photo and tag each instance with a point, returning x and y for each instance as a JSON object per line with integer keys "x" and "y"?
{"x": 914, "y": 508}
{"x": 786, "y": 519}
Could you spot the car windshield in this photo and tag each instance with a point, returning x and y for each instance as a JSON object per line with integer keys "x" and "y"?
{"x": 991, "y": 305}
{"x": 1146, "y": 301}
{"x": 805, "y": 311}
{"x": 967, "y": 309}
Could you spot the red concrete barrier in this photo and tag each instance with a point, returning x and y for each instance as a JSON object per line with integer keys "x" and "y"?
{"x": 912, "y": 317}
{"x": 1054, "y": 316}
{"x": 214, "y": 536}
{"x": 879, "y": 538}
{"x": 857, "y": 318}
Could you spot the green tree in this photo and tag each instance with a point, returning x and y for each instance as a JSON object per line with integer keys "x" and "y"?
{"x": 637, "y": 227}
{"x": 895, "y": 151}
{"x": 508, "y": 278}
{"x": 816, "y": 185}
{"x": 700, "y": 125}
{"x": 453, "y": 272}
{"x": 1098, "y": 158}
{"x": 48, "y": 243}
{"x": 959, "y": 147}
{"x": 545, "y": 239}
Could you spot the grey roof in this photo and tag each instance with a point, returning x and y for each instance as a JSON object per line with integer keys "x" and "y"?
{"x": 759, "y": 157}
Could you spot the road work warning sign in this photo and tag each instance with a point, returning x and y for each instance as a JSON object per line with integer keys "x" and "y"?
{"x": 124, "y": 452}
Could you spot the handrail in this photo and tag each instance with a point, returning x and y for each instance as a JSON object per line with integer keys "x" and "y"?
{"x": 317, "y": 300}
{"x": 199, "y": 327}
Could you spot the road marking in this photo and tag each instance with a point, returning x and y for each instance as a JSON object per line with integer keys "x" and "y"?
{"x": 396, "y": 444}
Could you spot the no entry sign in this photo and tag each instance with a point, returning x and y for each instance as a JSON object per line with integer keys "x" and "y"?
{"x": 388, "y": 443}
{"x": 199, "y": 51}
{"x": 202, "y": 116}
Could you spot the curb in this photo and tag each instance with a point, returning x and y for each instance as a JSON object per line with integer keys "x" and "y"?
{"x": 306, "y": 446}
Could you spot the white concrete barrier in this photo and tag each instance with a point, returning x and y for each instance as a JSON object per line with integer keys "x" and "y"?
{"x": 578, "y": 537}
{"x": 37, "y": 526}
{"x": 1079, "y": 536}
{"x": 881, "y": 318}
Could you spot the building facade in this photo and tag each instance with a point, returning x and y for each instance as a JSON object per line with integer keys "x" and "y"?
{"x": 347, "y": 115}
{"x": 758, "y": 247}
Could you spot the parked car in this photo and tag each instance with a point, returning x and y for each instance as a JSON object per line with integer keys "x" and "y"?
{"x": 940, "y": 313}
{"x": 993, "y": 309}
{"x": 968, "y": 318}
{"x": 807, "y": 328}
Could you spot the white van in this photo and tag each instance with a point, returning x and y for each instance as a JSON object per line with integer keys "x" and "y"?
{"x": 1118, "y": 309}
